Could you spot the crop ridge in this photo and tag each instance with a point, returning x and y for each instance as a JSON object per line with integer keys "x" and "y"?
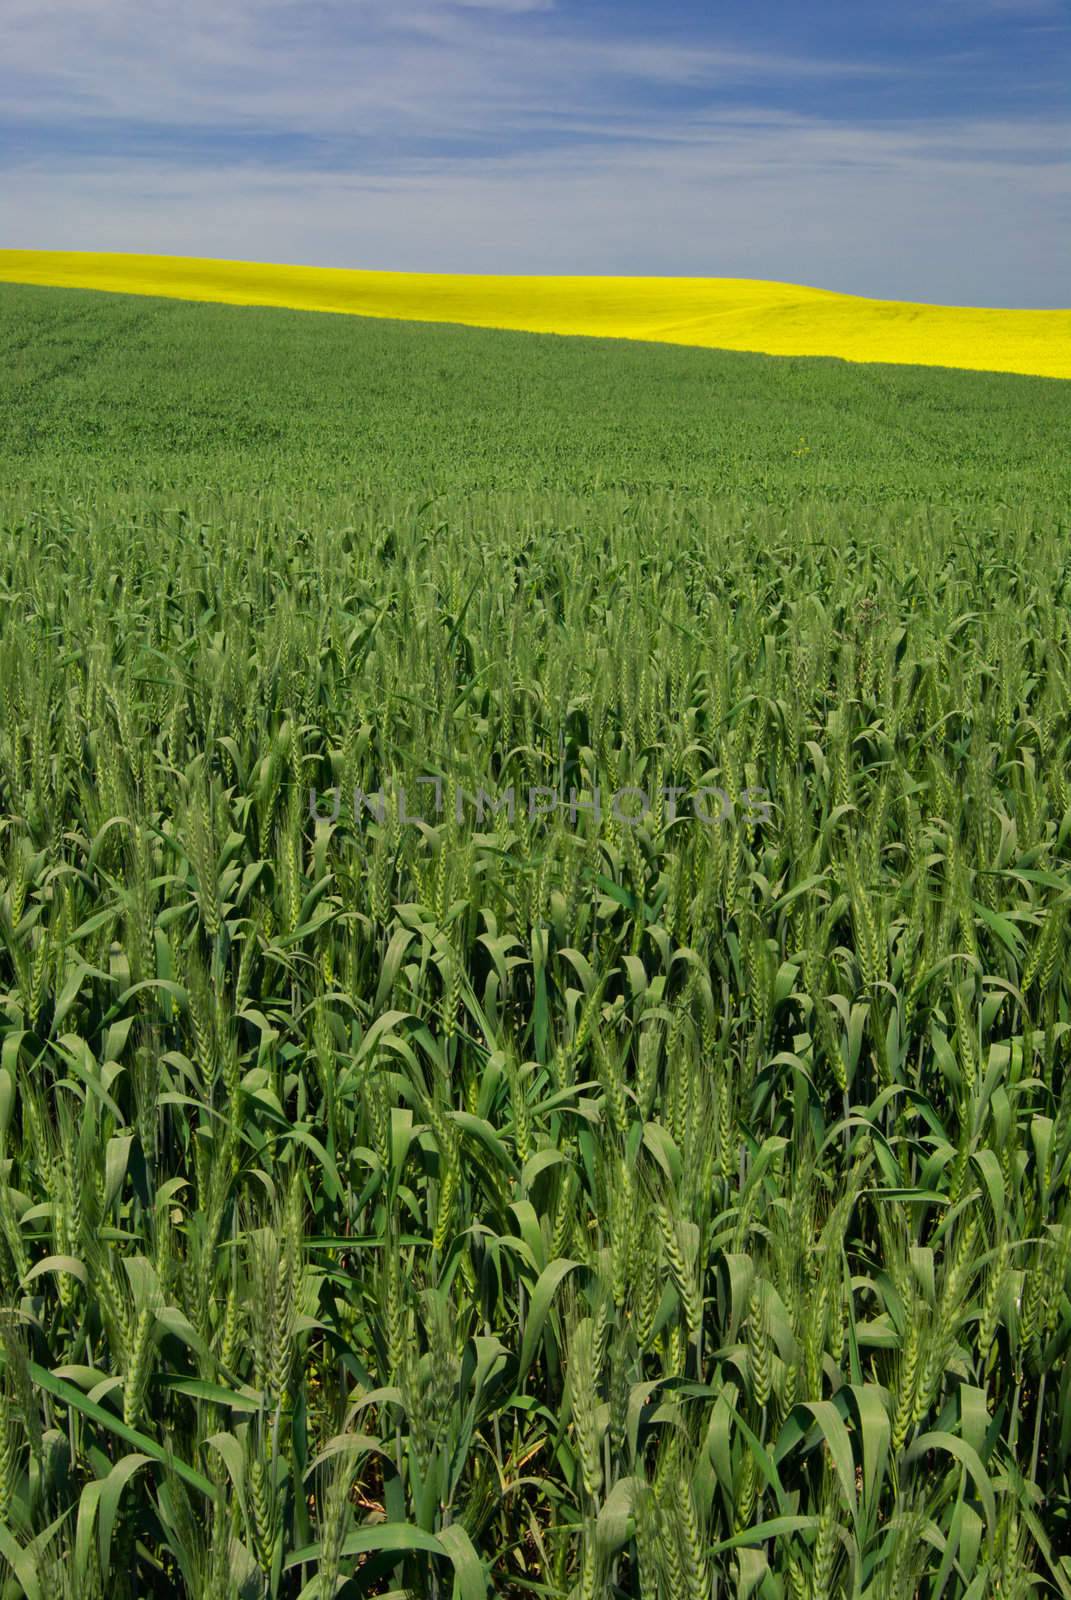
{"x": 759, "y": 315}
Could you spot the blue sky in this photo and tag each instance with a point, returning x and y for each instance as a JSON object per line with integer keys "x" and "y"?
{"x": 915, "y": 150}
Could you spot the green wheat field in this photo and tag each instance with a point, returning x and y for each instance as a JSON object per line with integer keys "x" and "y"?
{"x": 534, "y": 982}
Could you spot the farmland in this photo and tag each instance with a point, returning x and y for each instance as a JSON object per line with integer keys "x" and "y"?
{"x": 533, "y": 981}
{"x": 783, "y": 319}
{"x": 110, "y": 392}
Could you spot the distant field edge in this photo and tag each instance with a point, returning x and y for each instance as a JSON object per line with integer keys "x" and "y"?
{"x": 742, "y": 314}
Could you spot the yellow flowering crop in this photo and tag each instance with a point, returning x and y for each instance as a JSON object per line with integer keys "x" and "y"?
{"x": 720, "y": 313}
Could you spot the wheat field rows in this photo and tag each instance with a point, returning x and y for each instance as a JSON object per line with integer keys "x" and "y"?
{"x": 534, "y": 883}
{"x": 571, "y": 1202}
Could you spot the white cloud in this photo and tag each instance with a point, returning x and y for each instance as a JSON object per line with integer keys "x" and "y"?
{"x": 878, "y": 212}
{"x": 576, "y": 153}
{"x": 444, "y": 65}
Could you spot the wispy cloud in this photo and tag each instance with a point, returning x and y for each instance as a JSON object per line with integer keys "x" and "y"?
{"x": 456, "y": 64}
{"x": 515, "y": 134}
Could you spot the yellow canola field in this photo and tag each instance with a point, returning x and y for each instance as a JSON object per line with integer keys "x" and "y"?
{"x": 780, "y": 319}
